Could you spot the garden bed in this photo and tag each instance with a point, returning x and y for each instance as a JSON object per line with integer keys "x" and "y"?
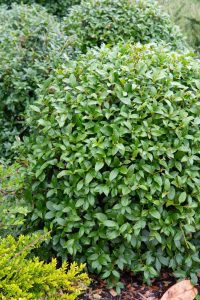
{"x": 134, "y": 289}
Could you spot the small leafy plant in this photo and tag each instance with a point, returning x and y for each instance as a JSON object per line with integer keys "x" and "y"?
{"x": 29, "y": 278}
{"x": 95, "y": 22}
{"x": 113, "y": 161}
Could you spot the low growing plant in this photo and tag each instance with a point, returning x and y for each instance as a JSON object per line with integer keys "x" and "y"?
{"x": 113, "y": 161}
{"x": 29, "y": 278}
{"x": 32, "y": 42}
{"x": 110, "y": 21}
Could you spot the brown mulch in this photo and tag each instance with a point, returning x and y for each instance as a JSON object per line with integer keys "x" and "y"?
{"x": 134, "y": 288}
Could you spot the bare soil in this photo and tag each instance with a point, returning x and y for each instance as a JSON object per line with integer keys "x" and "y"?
{"x": 134, "y": 288}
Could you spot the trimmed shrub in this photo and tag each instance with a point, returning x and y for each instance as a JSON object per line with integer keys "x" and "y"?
{"x": 29, "y": 278}
{"x": 111, "y": 21}
{"x": 58, "y": 7}
{"x": 32, "y": 43}
{"x": 113, "y": 161}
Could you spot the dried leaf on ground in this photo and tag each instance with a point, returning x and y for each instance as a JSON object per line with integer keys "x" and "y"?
{"x": 113, "y": 293}
{"x": 183, "y": 290}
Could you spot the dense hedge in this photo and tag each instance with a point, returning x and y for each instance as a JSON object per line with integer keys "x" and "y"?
{"x": 32, "y": 43}
{"x": 113, "y": 162}
{"x": 58, "y": 7}
{"x": 111, "y": 21}
{"x": 29, "y": 278}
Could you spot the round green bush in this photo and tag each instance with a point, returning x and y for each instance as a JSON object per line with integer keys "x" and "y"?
{"x": 111, "y": 21}
{"x": 58, "y": 7}
{"x": 32, "y": 42}
{"x": 113, "y": 161}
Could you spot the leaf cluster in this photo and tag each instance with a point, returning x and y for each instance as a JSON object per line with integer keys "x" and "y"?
{"x": 29, "y": 278}
{"x": 113, "y": 160}
{"x": 110, "y": 21}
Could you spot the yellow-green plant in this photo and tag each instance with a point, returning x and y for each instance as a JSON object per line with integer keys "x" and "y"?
{"x": 29, "y": 278}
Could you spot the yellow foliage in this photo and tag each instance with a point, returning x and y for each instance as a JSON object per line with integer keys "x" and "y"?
{"x": 23, "y": 278}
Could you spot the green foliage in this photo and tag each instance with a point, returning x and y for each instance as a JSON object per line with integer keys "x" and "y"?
{"x": 12, "y": 206}
{"x": 111, "y": 21}
{"x": 187, "y": 15}
{"x": 113, "y": 161}
{"x": 32, "y": 43}
{"x": 195, "y": 28}
{"x": 58, "y": 7}
{"x": 25, "y": 278}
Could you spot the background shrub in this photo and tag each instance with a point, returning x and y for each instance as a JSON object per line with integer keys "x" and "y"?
{"x": 111, "y": 21}
{"x": 23, "y": 278}
{"x": 58, "y": 7}
{"x": 32, "y": 43}
{"x": 187, "y": 15}
{"x": 114, "y": 161}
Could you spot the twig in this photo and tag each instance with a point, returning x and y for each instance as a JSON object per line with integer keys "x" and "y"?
{"x": 30, "y": 245}
{"x": 141, "y": 295}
